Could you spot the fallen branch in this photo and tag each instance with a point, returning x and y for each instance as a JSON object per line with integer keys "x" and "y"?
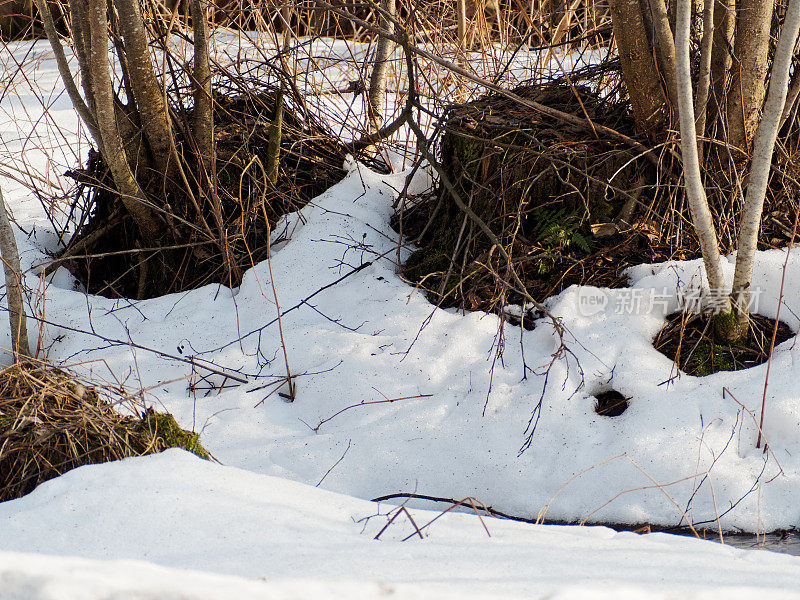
{"x": 386, "y": 401}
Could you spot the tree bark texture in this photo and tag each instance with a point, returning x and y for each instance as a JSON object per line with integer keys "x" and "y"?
{"x": 749, "y": 70}
{"x": 86, "y": 112}
{"x": 113, "y": 153}
{"x": 695, "y": 193}
{"x": 148, "y": 94}
{"x": 704, "y": 76}
{"x": 16, "y": 299}
{"x": 380, "y": 69}
{"x": 721, "y": 52}
{"x": 763, "y": 149}
{"x": 638, "y": 67}
{"x": 665, "y": 46}
{"x": 203, "y": 109}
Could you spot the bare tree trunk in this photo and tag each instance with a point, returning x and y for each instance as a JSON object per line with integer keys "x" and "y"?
{"x": 461, "y": 8}
{"x": 147, "y": 92}
{"x": 16, "y": 300}
{"x": 704, "y": 77}
{"x": 380, "y": 70}
{"x": 751, "y": 53}
{"x": 722, "y": 47}
{"x": 113, "y": 153}
{"x": 86, "y": 113}
{"x": 203, "y": 109}
{"x": 695, "y": 193}
{"x": 665, "y": 46}
{"x": 638, "y": 67}
{"x": 791, "y": 98}
{"x": 763, "y": 148}
{"x": 276, "y": 125}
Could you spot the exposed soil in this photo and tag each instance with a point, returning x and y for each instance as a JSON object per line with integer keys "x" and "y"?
{"x": 610, "y": 403}
{"x": 688, "y": 339}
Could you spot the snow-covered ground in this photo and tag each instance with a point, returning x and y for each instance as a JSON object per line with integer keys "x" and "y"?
{"x": 219, "y": 532}
{"x": 356, "y": 334}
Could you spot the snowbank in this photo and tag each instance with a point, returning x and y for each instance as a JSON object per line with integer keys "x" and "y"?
{"x": 248, "y": 536}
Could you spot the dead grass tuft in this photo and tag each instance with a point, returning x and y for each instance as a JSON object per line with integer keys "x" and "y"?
{"x": 50, "y": 423}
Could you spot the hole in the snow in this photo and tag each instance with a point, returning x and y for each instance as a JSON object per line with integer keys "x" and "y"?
{"x": 610, "y": 403}
{"x": 689, "y": 340}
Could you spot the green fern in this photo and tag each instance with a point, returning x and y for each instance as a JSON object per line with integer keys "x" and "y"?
{"x": 581, "y": 241}
{"x": 558, "y": 229}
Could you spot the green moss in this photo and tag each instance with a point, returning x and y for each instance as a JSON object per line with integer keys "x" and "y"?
{"x": 711, "y": 358}
{"x": 163, "y": 427}
{"x": 727, "y": 328}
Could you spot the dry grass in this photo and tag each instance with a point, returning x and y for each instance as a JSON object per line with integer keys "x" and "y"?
{"x": 51, "y": 423}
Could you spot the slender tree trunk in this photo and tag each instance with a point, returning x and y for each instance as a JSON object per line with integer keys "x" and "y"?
{"x": 763, "y": 149}
{"x": 146, "y": 89}
{"x": 638, "y": 67}
{"x": 461, "y": 9}
{"x": 722, "y": 47}
{"x": 85, "y": 111}
{"x": 203, "y": 109}
{"x": 704, "y": 76}
{"x": 751, "y": 55}
{"x": 131, "y": 194}
{"x": 695, "y": 193}
{"x": 380, "y": 70}
{"x": 665, "y": 46}
{"x": 791, "y": 98}
{"x": 16, "y": 299}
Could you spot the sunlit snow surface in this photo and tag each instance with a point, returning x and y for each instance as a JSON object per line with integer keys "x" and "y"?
{"x": 682, "y": 450}
{"x": 244, "y": 535}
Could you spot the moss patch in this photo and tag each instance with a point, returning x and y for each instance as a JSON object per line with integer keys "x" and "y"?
{"x": 165, "y": 431}
{"x": 690, "y": 340}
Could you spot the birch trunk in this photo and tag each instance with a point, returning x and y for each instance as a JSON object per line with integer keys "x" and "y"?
{"x": 85, "y": 112}
{"x": 147, "y": 92}
{"x": 763, "y": 148}
{"x": 380, "y": 70}
{"x": 638, "y": 67}
{"x": 665, "y": 45}
{"x": 704, "y": 77}
{"x": 203, "y": 109}
{"x": 695, "y": 193}
{"x": 724, "y": 26}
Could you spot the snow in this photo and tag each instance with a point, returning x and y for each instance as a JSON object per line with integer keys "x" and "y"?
{"x": 219, "y": 532}
{"x": 357, "y": 336}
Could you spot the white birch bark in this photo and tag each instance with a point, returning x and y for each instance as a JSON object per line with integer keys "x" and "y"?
{"x": 695, "y": 193}
{"x": 763, "y": 148}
